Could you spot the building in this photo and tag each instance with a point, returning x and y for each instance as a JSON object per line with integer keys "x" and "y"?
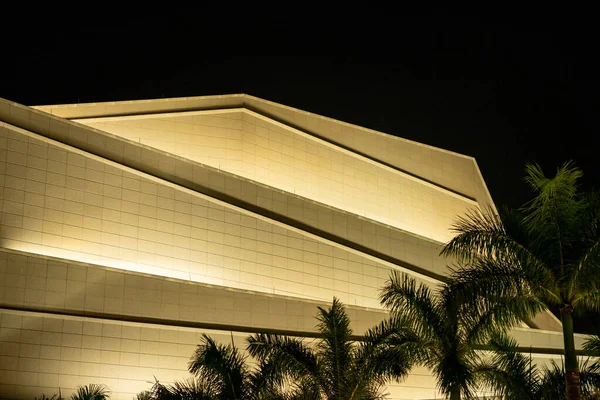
{"x": 129, "y": 228}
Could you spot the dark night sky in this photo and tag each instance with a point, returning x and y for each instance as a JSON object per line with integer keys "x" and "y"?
{"x": 504, "y": 92}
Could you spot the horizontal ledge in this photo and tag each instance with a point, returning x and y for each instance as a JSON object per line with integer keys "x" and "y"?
{"x": 231, "y": 328}
{"x": 162, "y": 321}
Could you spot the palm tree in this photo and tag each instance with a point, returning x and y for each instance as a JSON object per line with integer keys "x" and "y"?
{"x": 220, "y": 373}
{"x": 549, "y": 249}
{"x": 335, "y": 367}
{"x": 513, "y": 375}
{"x": 437, "y": 331}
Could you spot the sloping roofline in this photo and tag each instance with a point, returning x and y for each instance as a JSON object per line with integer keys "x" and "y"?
{"x": 456, "y": 172}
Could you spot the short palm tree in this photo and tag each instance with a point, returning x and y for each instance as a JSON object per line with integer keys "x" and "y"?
{"x": 437, "y": 331}
{"x": 513, "y": 375}
{"x": 220, "y": 373}
{"x": 549, "y": 249}
{"x": 336, "y": 366}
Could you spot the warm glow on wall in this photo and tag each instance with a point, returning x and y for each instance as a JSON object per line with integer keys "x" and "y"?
{"x": 255, "y": 147}
{"x": 87, "y": 209}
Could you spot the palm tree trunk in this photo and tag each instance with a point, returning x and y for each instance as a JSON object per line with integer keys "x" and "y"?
{"x": 571, "y": 364}
{"x": 455, "y": 393}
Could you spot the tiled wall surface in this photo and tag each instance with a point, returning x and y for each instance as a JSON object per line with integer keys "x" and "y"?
{"x": 29, "y": 281}
{"x": 402, "y": 246}
{"x": 246, "y": 144}
{"x": 40, "y": 353}
{"x": 213, "y": 138}
{"x": 60, "y": 202}
{"x": 448, "y": 169}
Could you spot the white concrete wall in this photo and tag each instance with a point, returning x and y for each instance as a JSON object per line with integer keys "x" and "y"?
{"x": 448, "y": 169}
{"x": 34, "y": 282}
{"x": 40, "y": 351}
{"x": 455, "y": 171}
{"x": 401, "y": 246}
{"x": 213, "y": 138}
{"x": 249, "y": 145}
{"x": 61, "y": 202}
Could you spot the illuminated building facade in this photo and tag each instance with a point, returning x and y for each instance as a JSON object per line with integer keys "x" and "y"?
{"x": 130, "y": 228}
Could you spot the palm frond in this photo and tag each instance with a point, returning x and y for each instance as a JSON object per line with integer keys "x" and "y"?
{"x": 53, "y": 397}
{"x": 509, "y": 373}
{"x": 591, "y": 257}
{"x": 301, "y": 390}
{"x": 389, "y": 350}
{"x": 564, "y": 183}
{"x": 268, "y": 381}
{"x": 553, "y": 215}
{"x": 552, "y": 385}
{"x": 588, "y": 263}
{"x": 288, "y": 356}
{"x": 335, "y": 346}
{"x": 501, "y": 382}
{"x": 190, "y": 389}
{"x": 453, "y": 371}
{"x": 358, "y": 389}
{"x": 403, "y": 297}
{"x": 590, "y": 378}
{"x": 487, "y": 234}
{"x": 490, "y": 317}
{"x": 495, "y": 278}
{"x": 588, "y": 296}
{"x": 222, "y": 366}
{"x": 590, "y": 217}
{"x": 92, "y": 391}
{"x": 394, "y": 333}
{"x": 592, "y": 346}
{"x": 145, "y": 395}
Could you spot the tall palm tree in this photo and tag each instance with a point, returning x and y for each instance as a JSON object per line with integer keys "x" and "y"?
{"x": 513, "y": 375}
{"x": 439, "y": 332}
{"x": 335, "y": 367}
{"x": 549, "y": 249}
{"x": 220, "y": 373}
